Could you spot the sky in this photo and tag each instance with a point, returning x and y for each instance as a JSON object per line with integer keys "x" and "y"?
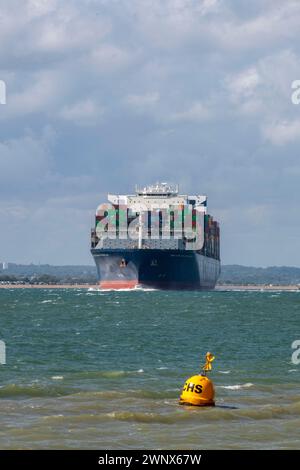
{"x": 105, "y": 94}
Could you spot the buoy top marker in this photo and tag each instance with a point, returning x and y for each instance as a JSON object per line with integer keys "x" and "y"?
{"x": 198, "y": 390}
{"x": 209, "y": 359}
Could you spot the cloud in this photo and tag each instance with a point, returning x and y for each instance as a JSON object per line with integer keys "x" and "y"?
{"x": 197, "y": 112}
{"x": 243, "y": 84}
{"x": 142, "y": 101}
{"x": 24, "y": 161}
{"x": 275, "y": 24}
{"x": 109, "y": 58}
{"x": 284, "y": 132}
{"x": 55, "y": 28}
{"x": 40, "y": 92}
{"x": 84, "y": 113}
{"x": 262, "y": 93}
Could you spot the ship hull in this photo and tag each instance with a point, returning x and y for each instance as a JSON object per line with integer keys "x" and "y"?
{"x": 158, "y": 269}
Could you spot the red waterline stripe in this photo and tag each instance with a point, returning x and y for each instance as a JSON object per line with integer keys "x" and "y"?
{"x": 130, "y": 284}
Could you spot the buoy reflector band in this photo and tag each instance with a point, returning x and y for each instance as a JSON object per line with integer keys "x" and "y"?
{"x": 198, "y": 391}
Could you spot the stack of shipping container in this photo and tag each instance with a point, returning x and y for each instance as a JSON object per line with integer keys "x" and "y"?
{"x": 211, "y": 247}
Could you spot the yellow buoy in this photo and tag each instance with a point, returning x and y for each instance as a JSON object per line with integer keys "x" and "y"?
{"x": 198, "y": 390}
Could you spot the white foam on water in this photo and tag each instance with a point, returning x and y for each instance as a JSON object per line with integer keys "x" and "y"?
{"x": 144, "y": 289}
{"x": 292, "y": 370}
{"x": 224, "y": 371}
{"x": 162, "y": 368}
{"x": 116, "y": 290}
{"x": 57, "y": 377}
{"x": 128, "y": 289}
{"x": 140, "y": 371}
{"x": 47, "y": 301}
{"x": 236, "y": 387}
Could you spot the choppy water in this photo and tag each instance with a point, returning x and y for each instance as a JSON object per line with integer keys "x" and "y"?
{"x": 104, "y": 370}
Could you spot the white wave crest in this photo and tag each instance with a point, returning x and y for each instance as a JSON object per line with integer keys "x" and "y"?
{"x": 237, "y": 387}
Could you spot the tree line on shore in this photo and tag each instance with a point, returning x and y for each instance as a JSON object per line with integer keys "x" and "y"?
{"x": 86, "y": 274}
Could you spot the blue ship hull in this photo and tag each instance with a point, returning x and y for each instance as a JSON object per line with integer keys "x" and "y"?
{"x": 159, "y": 269}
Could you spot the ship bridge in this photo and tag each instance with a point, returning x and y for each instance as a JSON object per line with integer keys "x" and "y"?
{"x": 159, "y": 194}
{"x": 157, "y": 190}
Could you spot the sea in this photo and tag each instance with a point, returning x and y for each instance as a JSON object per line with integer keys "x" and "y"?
{"x": 88, "y": 369}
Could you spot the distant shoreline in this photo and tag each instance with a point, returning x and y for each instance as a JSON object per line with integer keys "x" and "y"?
{"x": 48, "y": 286}
{"x": 223, "y": 287}
{"x": 257, "y": 287}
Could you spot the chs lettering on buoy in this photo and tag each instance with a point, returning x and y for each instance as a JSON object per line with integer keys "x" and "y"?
{"x": 198, "y": 390}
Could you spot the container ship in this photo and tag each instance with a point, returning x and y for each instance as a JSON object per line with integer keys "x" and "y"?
{"x": 140, "y": 240}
